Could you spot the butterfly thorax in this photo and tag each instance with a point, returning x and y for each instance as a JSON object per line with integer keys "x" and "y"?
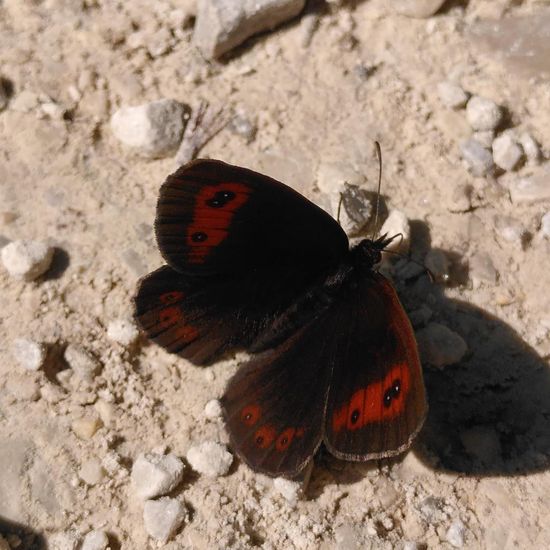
{"x": 367, "y": 253}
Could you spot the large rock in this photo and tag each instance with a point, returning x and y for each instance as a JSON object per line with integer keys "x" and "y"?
{"x": 224, "y": 24}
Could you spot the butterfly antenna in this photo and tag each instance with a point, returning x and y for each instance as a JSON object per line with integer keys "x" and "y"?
{"x": 339, "y": 208}
{"x": 379, "y": 156}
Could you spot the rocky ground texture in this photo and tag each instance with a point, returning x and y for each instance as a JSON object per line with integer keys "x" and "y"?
{"x": 107, "y": 441}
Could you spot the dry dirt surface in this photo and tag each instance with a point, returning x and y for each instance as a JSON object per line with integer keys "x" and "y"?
{"x": 82, "y": 397}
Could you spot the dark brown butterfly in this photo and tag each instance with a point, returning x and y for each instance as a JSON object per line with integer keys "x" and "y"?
{"x": 254, "y": 265}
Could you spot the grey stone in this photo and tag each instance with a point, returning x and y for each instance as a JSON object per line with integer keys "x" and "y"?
{"x": 482, "y": 268}
{"x": 242, "y": 126}
{"x": 509, "y": 228}
{"x": 532, "y": 189}
{"x": 455, "y": 534}
{"x": 210, "y": 459}
{"x": 84, "y": 365}
{"x": 478, "y": 159}
{"x": 439, "y": 346}
{"x": 483, "y": 113}
{"x": 67, "y": 540}
{"x": 163, "y": 517}
{"x": 416, "y": 8}
{"x": 154, "y": 475}
{"x": 27, "y": 260}
{"x": 153, "y": 129}
{"x": 452, "y": 95}
{"x": 224, "y": 24}
{"x": 28, "y": 353}
{"x": 506, "y": 152}
{"x": 95, "y": 540}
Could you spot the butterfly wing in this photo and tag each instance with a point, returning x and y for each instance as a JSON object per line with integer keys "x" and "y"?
{"x": 377, "y": 401}
{"x": 215, "y": 218}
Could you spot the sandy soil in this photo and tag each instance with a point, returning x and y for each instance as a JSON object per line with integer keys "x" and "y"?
{"x": 478, "y": 474}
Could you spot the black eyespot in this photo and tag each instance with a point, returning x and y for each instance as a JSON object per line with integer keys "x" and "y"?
{"x": 284, "y": 441}
{"x": 355, "y": 416}
{"x": 388, "y": 396}
{"x": 396, "y": 388}
{"x": 260, "y": 439}
{"x": 199, "y": 237}
{"x": 220, "y": 199}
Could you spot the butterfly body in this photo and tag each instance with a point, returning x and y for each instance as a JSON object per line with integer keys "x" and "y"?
{"x": 253, "y": 265}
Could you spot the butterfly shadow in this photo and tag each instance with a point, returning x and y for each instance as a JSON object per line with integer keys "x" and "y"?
{"x": 489, "y": 413}
{"x": 21, "y": 536}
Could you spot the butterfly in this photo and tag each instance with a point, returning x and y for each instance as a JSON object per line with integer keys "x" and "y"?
{"x": 254, "y": 265}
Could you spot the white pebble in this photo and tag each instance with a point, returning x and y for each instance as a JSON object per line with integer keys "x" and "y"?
{"x": 484, "y": 137}
{"x": 545, "y": 224}
{"x": 289, "y": 489}
{"x": 452, "y": 95}
{"x": 86, "y": 426}
{"x": 122, "y": 331}
{"x": 439, "y": 346}
{"x": 213, "y": 409}
{"x": 84, "y": 365}
{"x": 95, "y": 540}
{"x": 482, "y": 268}
{"x": 29, "y": 354}
{"x": 532, "y": 189}
{"x": 163, "y": 517}
{"x": 477, "y": 157}
{"x": 483, "y": 113}
{"x": 91, "y": 472}
{"x": 397, "y": 224}
{"x": 506, "y": 152}
{"x": 27, "y": 260}
{"x": 153, "y": 129}
{"x": 63, "y": 541}
{"x": 154, "y": 475}
{"x": 510, "y": 229}
{"x": 210, "y": 459}
{"x": 530, "y": 147}
{"x": 455, "y": 534}
{"x": 416, "y": 8}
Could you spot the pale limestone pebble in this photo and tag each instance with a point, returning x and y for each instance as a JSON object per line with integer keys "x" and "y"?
{"x": 221, "y": 25}
{"x": 507, "y": 153}
{"x": 478, "y": 159}
{"x": 123, "y": 331}
{"x": 155, "y": 475}
{"x": 106, "y": 411}
{"x": 439, "y": 346}
{"x": 412, "y": 545}
{"x": 163, "y": 517}
{"x": 309, "y": 23}
{"x": 455, "y": 534}
{"x": 95, "y": 540}
{"x": 509, "y": 228}
{"x": 482, "y": 443}
{"x": 545, "y": 225}
{"x": 52, "y": 110}
{"x": 27, "y": 260}
{"x": 83, "y": 364}
{"x": 482, "y": 269}
{"x": 452, "y": 95}
{"x": 63, "y": 541}
{"x": 25, "y": 102}
{"x": 416, "y": 8}
{"x": 29, "y": 354}
{"x": 152, "y": 129}
{"x": 532, "y": 189}
{"x": 210, "y": 459}
{"x": 52, "y": 393}
{"x": 397, "y": 224}
{"x": 85, "y": 427}
{"x": 332, "y": 175}
{"x": 484, "y": 137}
{"x": 433, "y": 509}
{"x": 438, "y": 263}
{"x": 288, "y": 489}
{"x": 460, "y": 198}
{"x": 23, "y": 388}
{"x": 530, "y": 147}
{"x": 483, "y": 113}
{"x": 213, "y": 409}
{"x": 242, "y": 126}
{"x": 91, "y": 472}
{"x": 160, "y": 42}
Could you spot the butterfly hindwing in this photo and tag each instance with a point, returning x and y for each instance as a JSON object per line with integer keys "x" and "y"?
{"x": 377, "y": 402}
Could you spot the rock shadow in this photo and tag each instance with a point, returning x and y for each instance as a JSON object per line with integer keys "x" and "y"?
{"x": 28, "y": 538}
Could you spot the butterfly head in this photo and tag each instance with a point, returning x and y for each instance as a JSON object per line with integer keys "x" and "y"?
{"x": 368, "y": 252}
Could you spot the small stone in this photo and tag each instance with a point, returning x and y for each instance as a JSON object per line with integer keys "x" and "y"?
{"x": 509, "y": 229}
{"x": 452, "y": 95}
{"x": 213, "y": 409}
{"x": 545, "y": 224}
{"x": 417, "y": 8}
{"x": 530, "y": 147}
{"x": 63, "y": 541}
{"x": 411, "y": 545}
{"x": 289, "y": 489}
{"x": 439, "y": 346}
{"x": 533, "y": 189}
{"x": 153, "y": 129}
{"x": 355, "y": 208}
{"x": 210, "y": 459}
{"x": 24, "y": 102}
{"x": 95, "y": 540}
{"x": 455, "y": 534}
{"x": 242, "y": 126}
{"x": 163, "y": 517}
{"x": 106, "y": 411}
{"x": 27, "y": 260}
{"x": 84, "y": 365}
{"x": 484, "y": 137}
{"x": 86, "y": 426}
{"x": 483, "y": 113}
{"x": 460, "y": 199}
{"x": 53, "y": 110}
{"x": 91, "y": 472}
{"x": 154, "y": 475}
{"x": 332, "y": 176}
{"x": 506, "y": 152}
{"x": 478, "y": 159}
{"x": 438, "y": 264}
{"x": 222, "y": 25}
{"x": 482, "y": 268}
{"x": 29, "y": 354}
{"x": 122, "y": 331}
{"x": 397, "y": 224}
{"x": 160, "y": 42}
